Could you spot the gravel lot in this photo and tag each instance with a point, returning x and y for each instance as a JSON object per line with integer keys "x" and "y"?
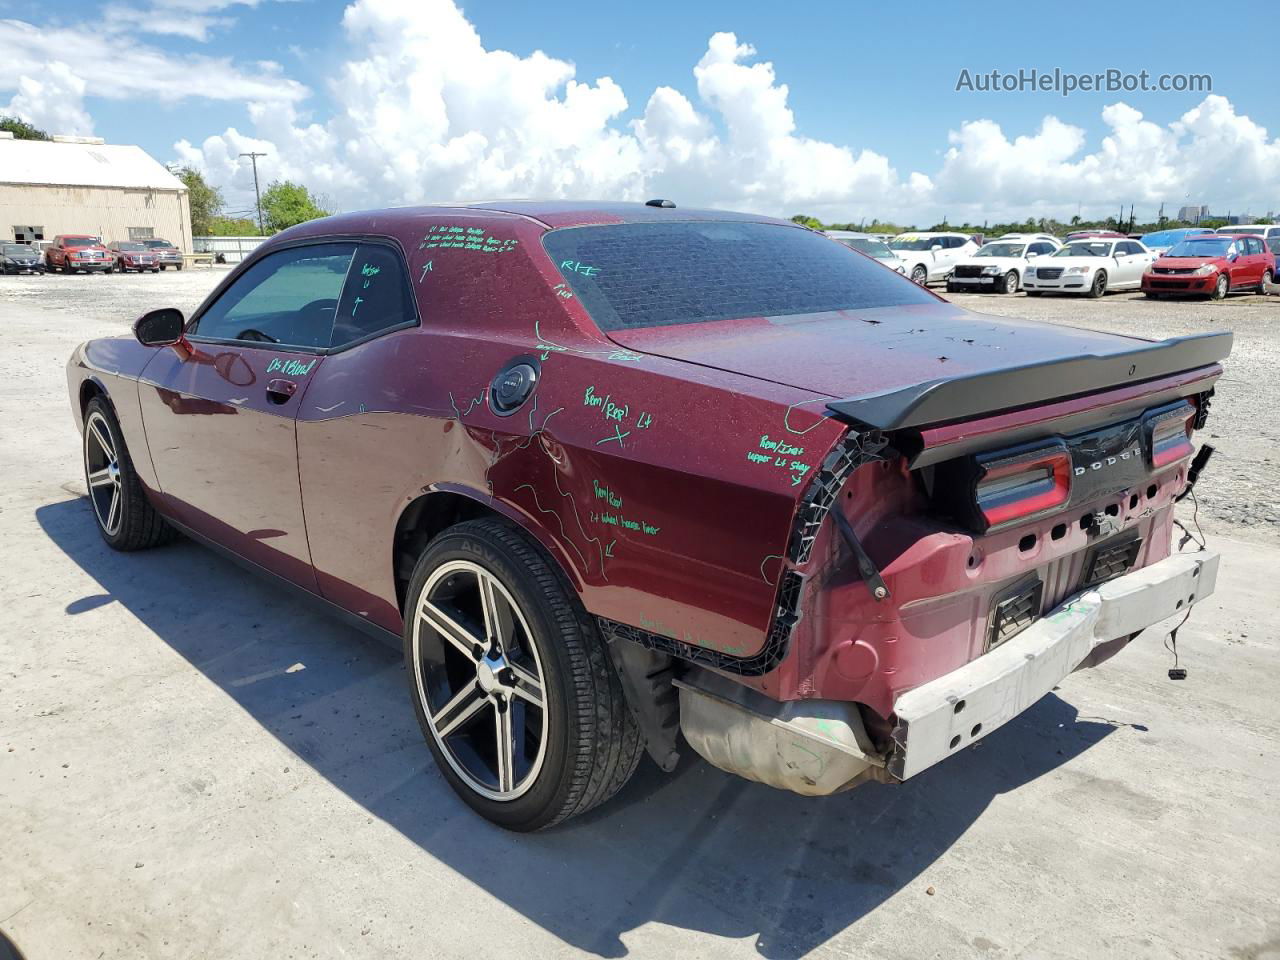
{"x": 194, "y": 765}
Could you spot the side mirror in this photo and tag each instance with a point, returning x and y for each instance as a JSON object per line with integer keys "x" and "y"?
{"x": 936, "y": 246}
{"x": 159, "y": 328}
{"x": 1032, "y": 256}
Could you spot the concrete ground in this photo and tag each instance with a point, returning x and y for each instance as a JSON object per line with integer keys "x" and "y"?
{"x": 193, "y": 765}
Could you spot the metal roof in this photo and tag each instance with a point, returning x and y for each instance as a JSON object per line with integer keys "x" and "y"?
{"x": 82, "y": 165}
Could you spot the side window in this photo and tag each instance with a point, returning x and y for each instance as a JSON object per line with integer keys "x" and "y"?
{"x": 288, "y": 297}
{"x": 1255, "y": 245}
{"x": 1042, "y": 248}
{"x": 376, "y": 296}
{"x": 953, "y": 243}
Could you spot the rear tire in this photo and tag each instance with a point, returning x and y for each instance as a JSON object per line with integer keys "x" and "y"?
{"x": 1265, "y": 282}
{"x": 125, "y": 517}
{"x": 511, "y": 682}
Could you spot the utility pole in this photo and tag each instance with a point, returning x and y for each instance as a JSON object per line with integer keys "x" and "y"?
{"x": 253, "y": 157}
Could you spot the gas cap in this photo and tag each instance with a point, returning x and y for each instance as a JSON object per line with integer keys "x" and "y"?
{"x": 512, "y": 386}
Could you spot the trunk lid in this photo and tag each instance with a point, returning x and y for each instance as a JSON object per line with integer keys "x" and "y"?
{"x": 859, "y": 353}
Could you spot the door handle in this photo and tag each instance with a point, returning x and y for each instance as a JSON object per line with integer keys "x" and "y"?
{"x": 279, "y": 391}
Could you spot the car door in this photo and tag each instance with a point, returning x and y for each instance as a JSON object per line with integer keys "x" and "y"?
{"x": 1129, "y": 265}
{"x": 221, "y": 418}
{"x": 353, "y": 436}
{"x": 1238, "y": 263}
{"x": 1257, "y": 260}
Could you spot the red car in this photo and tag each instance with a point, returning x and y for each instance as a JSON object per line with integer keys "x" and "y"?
{"x": 133, "y": 255}
{"x": 1213, "y": 265}
{"x": 72, "y": 252}
{"x": 608, "y": 473}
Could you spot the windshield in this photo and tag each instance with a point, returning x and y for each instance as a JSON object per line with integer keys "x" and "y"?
{"x": 1002, "y": 250}
{"x": 631, "y": 275}
{"x": 872, "y": 248}
{"x": 79, "y": 241}
{"x": 15, "y": 249}
{"x": 1202, "y": 247}
{"x": 157, "y": 243}
{"x": 907, "y": 242}
{"x": 1086, "y": 248}
{"x": 130, "y": 246}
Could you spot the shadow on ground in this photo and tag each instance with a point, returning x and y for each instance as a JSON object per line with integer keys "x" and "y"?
{"x": 697, "y": 849}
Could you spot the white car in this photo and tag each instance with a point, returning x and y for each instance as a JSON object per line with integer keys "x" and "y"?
{"x": 1089, "y": 266}
{"x": 1031, "y": 237}
{"x": 1264, "y": 230}
{"x": 999, "y": 265}
{"x": 928, "y": 257}
{"x": 872, "y": 246}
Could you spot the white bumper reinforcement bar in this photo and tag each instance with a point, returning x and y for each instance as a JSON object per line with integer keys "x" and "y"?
{"x": 953, "y": 711}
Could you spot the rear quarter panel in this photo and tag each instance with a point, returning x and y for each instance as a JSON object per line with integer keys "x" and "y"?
{"x": 665, "y": 490}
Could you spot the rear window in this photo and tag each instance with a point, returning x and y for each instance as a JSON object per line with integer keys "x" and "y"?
{"x": 631, "y": 275}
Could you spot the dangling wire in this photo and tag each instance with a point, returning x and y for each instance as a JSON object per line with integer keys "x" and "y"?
{"x": 1187, "y": 535}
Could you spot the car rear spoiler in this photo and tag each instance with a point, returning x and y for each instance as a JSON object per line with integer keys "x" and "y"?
{"x": 1009, "y": 388}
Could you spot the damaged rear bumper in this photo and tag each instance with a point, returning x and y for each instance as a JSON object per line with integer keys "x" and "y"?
{"x": 955, "y": 710}
{"x": 819, "y": 747}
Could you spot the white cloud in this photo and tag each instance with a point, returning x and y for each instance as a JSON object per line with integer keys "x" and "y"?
{"x": 420, "y": 110}
{"x": 117, "y": 67}
{"x": 54, "y": 102}
{"x": 191, "y": 19}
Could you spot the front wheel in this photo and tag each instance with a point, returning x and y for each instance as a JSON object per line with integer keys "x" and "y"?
{"x": 126, "y": 519}
{"x": 919, "y": 274}
{"x": 1099, "y": 285}
{"x": 1221, "y": 287}
{"x": 511, "y": 682}
{"x": 1010, "y": 284}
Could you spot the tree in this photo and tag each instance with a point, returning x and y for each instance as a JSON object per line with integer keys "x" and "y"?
{"x": 22, "y": 130}
{"x": 233, "y": 227}
{"x": 206, "y": 201}
{"x": 285, "y": 204}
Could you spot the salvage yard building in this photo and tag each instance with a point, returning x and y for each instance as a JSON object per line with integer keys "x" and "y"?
{"x": 81, "y": 185}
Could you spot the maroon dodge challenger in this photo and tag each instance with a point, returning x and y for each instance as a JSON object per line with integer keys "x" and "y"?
{"x": 618, "y": 476}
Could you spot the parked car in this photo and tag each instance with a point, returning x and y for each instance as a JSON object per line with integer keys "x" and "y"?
{"x": 929, "y": 257}
{"x": 167, "y": 254}
{"x": 1095, "y": 235}
{"x": 1163, "y": 240}
{"x": 133, "y": 255}
{"x": 1264, "y": 230}
{"x": 1213, "y": 265}
{"x": 1090, "y": 266}
{"x": 998, "y": 265}
{"x": 873, "y": 247}
{"x": 72, "y": 252}
{"x": 581, "y": 462}
{"x": 1031, "y": 238}
{"x": 20, "y": 258}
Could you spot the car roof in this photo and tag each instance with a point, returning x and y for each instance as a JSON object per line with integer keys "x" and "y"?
{"x": 550, "y": 213}
{"x": 851, "y": 235}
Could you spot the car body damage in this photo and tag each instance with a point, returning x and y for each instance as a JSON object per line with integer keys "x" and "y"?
{"x": 816, "y": 515}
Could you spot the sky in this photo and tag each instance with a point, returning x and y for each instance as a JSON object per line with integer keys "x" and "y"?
{"x": 844, "y": 111}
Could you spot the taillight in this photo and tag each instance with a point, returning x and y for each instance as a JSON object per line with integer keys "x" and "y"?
{"x": 1169, "y": 434}
{"x": 1015, "y": 486}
